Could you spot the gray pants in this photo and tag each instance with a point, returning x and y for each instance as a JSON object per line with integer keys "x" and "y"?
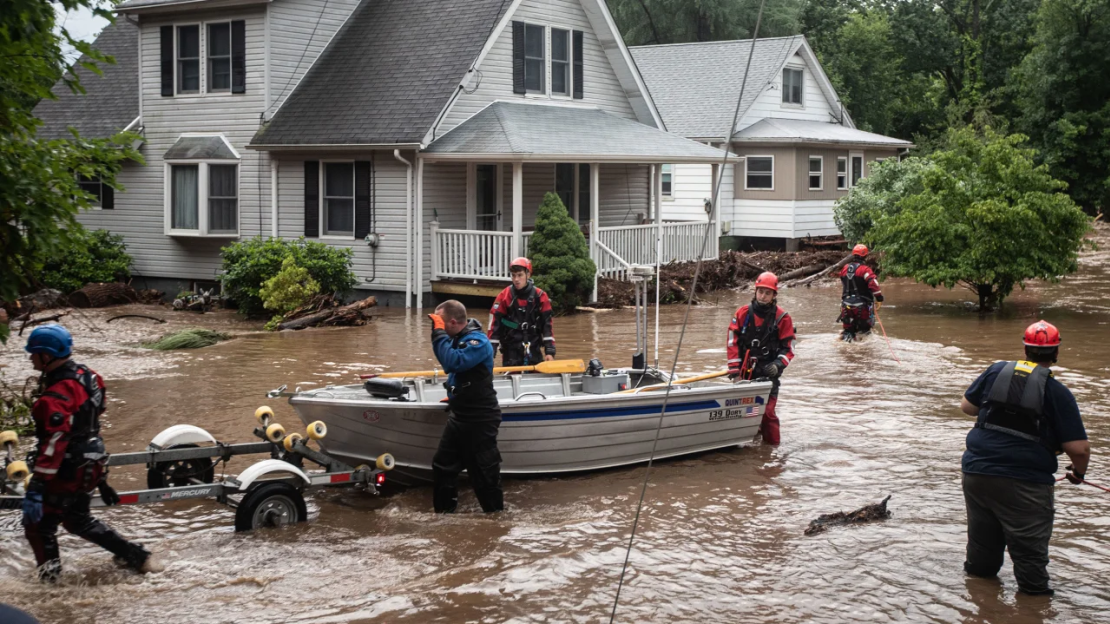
{"x": 1009, "y": 513}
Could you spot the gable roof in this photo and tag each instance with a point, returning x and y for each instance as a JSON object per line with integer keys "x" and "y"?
{"x": 800, "y": 131}
{"x": 110, "y": 102}
{"x": 386, "y": 75}
{"x": 696, "y": 85}
{"x": 527, "y": 131}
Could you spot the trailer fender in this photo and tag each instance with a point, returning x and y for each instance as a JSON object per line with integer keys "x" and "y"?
{"x": 265, "y": 467}
{"x": 181, "y": 434}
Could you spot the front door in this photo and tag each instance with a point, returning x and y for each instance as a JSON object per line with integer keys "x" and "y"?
{"x": 487, "y": 216}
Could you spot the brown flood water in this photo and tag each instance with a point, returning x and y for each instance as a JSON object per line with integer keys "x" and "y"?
{"x": 721, "y": 536}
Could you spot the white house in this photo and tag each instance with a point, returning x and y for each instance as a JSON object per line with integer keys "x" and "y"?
{"x": 800, "y": 149}
{"x": 421, "y": 134}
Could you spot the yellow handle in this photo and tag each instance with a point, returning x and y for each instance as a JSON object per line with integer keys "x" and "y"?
{"x": 549, "y": 368}
{"x": 676, "y": 382}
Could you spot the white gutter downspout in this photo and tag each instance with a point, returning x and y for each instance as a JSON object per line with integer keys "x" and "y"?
{"x": 419, "y": 231}
{"x": 273, "y": 197}
{"x": 408, "y": 228}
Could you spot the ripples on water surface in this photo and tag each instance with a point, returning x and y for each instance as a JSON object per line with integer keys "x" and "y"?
{"x": 721, "y": 536}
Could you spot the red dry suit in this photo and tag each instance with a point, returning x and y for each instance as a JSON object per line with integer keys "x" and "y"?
{"x": 754, "y": 341}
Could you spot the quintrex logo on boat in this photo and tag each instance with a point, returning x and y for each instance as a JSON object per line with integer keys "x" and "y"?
{"x": 371, "y": 416}
{"x": 743, "y": 401}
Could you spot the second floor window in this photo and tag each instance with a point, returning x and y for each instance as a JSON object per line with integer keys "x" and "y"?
{"x": 560, "y": 61}
{"x": 534, "y": 45}
{"x": 792, "y": 86}
{"x": 219, "y": 57}
{"x": 188, "y": 59}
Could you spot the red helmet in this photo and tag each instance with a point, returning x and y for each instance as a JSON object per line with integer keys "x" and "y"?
{"x": 767, "y": 280}
{"x": 860, "y": 250}
{"x": 521, "y": 262}
{"x": 1042, "y": 334}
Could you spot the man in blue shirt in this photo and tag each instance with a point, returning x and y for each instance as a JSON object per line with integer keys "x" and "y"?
{"x": 1024, "y": 418}
{"x": 469, "y": 440}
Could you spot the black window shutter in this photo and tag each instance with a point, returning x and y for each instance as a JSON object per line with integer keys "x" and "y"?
{"x": 312, "y": 198}
{"x": 107, "y": 197}
{"x": 518, "y": 57}
{"x": 238, "y": 56}
{"x": 167, "y": 61}
{"x": 362, "y": 198}
{"x": 578, "y": 65}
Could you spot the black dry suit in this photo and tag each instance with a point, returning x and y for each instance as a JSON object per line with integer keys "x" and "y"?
{"x": 1015, "y": 405}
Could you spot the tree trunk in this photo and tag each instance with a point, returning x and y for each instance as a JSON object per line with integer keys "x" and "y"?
{"x": 351, "y": 314}
{"x": 988, "y": 297}
{"x": 802, "y": 272}
{"x": 101, "y": 295}
{"x": 828, "y": 269}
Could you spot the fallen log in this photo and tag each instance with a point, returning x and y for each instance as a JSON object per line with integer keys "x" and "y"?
{"x": 802, "y": 272}
{"x": 867, "y": 513}
{"x": 350, "y": 314}
{"x": 39, "y": 321}
{"x": 829, "y": 269}
{"x": 122, "y": 316}
{"x": 103, "y": 295}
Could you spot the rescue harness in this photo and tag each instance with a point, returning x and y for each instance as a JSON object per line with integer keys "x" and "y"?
{"x": 1015, "y": 405}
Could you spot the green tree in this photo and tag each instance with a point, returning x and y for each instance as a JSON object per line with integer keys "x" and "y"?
{"x": 248, "y": 264}
{"x": 878, "y": 195}
{"x": 561, "y": 263}
{"x": 643, "y": 22}
{"x": 1064, "y": 96}
{"x": 987, "y": 218}
{"x": 39, "y": 194}
{"x": 291, "y": 288}
{"x": 863, "y": 63}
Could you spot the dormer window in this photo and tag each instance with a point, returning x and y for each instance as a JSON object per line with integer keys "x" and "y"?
{"x": 534, "y": 61}
{"x": 792, "y": 86}
{"x": 198, "y": 59}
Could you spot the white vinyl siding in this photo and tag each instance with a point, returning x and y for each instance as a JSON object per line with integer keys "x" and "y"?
{"x": 769, "y": 103}
{"x": 783, "y": 219}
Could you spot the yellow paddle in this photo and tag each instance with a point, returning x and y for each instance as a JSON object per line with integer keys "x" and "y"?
{"x": 677, "y": 382}
{"x": 554, "y": 367}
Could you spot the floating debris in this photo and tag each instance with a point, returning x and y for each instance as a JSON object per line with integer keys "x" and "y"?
{"x": 868, "y": 513}
{"x": 193, "y": 338}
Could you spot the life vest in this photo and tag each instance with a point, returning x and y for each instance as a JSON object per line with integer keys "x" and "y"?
{"x": 472, "y": 393}
{"x": 855, "y": 291}
{"x": 85, "y": 444}
{"x": 761, "y": 343}
{"x": 1015, "y": 405}
{"x": 519, "y": 319}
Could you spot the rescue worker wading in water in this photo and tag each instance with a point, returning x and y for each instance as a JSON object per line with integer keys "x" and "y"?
{"x": 761, "y": 345}
{"x": 861, "y": 297}
{"x": 520, "y": 320}
{"x": 469, "y": 441}
{"x": 69, "y": 458}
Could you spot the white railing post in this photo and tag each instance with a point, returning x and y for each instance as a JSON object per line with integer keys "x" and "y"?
{"x": 434, "y": 239}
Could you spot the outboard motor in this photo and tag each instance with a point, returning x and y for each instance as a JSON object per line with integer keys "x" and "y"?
{"x": 594, "y": 368}
{"x": 386, "y": 388}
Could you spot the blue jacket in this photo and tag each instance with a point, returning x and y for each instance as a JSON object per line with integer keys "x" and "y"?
{"x": 468, "y": 361}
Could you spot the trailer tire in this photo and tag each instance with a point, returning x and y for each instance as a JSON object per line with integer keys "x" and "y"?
{"x": 177, "y": 473}
{"x": 270, "y": 504}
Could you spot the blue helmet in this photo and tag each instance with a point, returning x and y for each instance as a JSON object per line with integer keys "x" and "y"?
{"x": 53, "y": 339}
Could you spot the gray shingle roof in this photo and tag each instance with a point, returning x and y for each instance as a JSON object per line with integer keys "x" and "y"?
{"x": 797, "y": 131}
{"x": 138, "y": 5}
{"x": 199, "y": 148}
{"x": 387, "y": 74}
{"x": 110, "y": 102}
{"x": 695, "y": 85}
{"x": 520, "y": 130}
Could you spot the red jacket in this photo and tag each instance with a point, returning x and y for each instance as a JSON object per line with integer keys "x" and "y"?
{"x": 864, "y": 275}
{"x": 538, "y": 325}
{"x": 57, "y": 419}
{"x": 781, "y": 346}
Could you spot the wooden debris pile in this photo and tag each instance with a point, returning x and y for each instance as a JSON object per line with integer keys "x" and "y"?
{"x": 867, "y": 513}
{"x": 327, "y": 311}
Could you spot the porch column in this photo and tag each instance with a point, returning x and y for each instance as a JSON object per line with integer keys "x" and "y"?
{"x": 715, "y": 216}
{"x": 518, "y": 208}
{"x": 657, "y": 200}
{"x": 594, "y": 218}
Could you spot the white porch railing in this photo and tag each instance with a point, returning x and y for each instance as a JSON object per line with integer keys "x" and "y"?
{"x": 475, "y": 254}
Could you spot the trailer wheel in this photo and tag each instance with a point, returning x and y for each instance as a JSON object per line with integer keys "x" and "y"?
{"x": 270, "y": 505}
{"x": 178, "y": 473}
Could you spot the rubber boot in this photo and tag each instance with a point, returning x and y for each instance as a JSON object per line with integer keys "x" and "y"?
{"x": 769, "y": 426}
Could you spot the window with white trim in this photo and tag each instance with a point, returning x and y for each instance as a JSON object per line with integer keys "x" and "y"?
{"x": 534, "y": 58}
{"x": 188, "y": 59}
{"x": 816, "y": 170}
{"x": 668, "y": 180}
{"x": 560, "y": 62}
{"x": 219, "y": 57}
{"x": 203, "y": 198}
{"x": 841, "y": 173}
{"x": 857, "y": 168}
{"x": 338, "y": 199}
{"x": 792, "y": 86}
{"x": 759, "y": 173}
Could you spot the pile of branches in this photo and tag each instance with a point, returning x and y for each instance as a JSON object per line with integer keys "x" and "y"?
{"x": 867, "y": 513}
{"x": 193, "y": 338}
{"x": 327, "y": 311}
{"x": 732, "y": 269}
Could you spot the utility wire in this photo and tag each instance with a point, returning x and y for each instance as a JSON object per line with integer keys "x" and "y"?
{"x": 686, "y": 318}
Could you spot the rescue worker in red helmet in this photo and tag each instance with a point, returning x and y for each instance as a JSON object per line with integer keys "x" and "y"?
{"x": 69, "y": 458}
{"x": 761, "y": 345}
{"x": 520, "y": 320}
{"x": 1024, "y": 419}
{"x": 861, "y": 296}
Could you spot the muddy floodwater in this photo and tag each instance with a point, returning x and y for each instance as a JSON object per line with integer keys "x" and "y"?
{"x": 721, "y": 536}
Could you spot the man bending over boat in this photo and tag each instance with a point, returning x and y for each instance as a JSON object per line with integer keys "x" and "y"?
{"x": 470, "y": 439}
{"x": 761, "y": 344}
{"x": 520, "y": 320}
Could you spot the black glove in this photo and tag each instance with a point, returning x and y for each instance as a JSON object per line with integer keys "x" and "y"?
{"x": 108, "y": 494}
{"x": 733, "y": 376}
{"x": 1074, "y": 477}
{"x": 771, "y": 370}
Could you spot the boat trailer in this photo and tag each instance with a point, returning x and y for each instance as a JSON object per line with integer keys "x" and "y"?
{"x": 181, "y": 463}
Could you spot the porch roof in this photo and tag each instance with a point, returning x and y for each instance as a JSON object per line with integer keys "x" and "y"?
{"x": 541, "y": 132}
{"x": 798, "y": 131}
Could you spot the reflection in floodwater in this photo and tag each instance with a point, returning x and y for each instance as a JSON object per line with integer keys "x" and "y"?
{"x": 721, "y": 535}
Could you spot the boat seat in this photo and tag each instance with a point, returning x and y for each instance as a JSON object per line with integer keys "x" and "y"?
{"x": 386, "y": 388}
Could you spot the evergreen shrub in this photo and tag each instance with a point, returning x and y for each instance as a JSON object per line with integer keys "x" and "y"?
{"x": 561, "y": 263}
{"x": 87, "y": 256}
